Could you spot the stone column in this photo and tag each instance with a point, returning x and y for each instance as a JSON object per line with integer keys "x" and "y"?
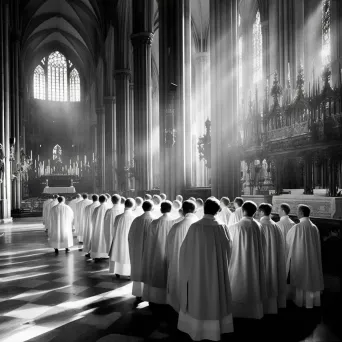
{"x": 122, "y": 80}
{"x": 308, "y": 174}
{"x": 101, "y": 150}
{"x": 110, "y": 142}
{"x": 142, "y": 40}
{"x": 225, "y": 172}
{"x": 131, "y": 182}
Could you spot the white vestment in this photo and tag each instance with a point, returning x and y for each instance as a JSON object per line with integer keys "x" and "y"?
{"x": 44, "y": 210}
{"x": 109, "y": 220}
{"x": 98, "y": 242}
{"x": 88, "y": 225}
{"x": 247, "y": 269}
{"x": 48, "y": 208}
{"x": 285, "y": 224}
{"x": 154, "y": 266}
{"x": 235, "y": 217}
{"x": 62, "y": 217}
{"x": 205, "y": 295}
{"x": 80, "y": 218}
{"x": 173, "y": 244}
{"x": 72, "y": 204}
{"x": 274, "y": 254}
{"x": 138, "y": 211}
{"x": 119, "y": 262}
{"x": 304, "y": 264}
{"x": 224, "y": 215}
{"x": 200, "y": 213}
{"x": 136, "y": 242}
{"x": 156, "y": 212}
{"x": 110, "y": 204}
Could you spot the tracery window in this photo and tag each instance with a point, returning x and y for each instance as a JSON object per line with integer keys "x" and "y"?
{"x": 39, "y": 83}
{"x": 257, "y": 49}
{"x": 75, "y": 91}
{"x": 60, "y": 76}
{"x": 57, "y": 153}
{"x": 326, "y": 23}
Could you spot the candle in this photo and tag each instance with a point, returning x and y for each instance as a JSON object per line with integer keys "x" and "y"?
{"x": 38, "y": 157}
{"x": 93, "y": 156}
{"x": 31, "y": 154}
{"x": 35, "y": 164}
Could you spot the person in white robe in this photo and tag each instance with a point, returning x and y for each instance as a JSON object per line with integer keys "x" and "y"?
{"x": 225, "y": 213}
{"x": 176, "y": 207}
{"x": 109, "y": 200}
{"x": 237, "y": 215}
{"x": 45, "y": 221}
{"x": 274, "y": 255}
{"x": 88, "y": 224}
{"x": 173, "y": 244}
{"x": 123, "y": 201}
{"x": 304, "y": 261}
{"x": 80, "y": 217}
{"x": 247, "y": 266}
{"x": 119, "y": 261}
{"x": 154, "y": 266}
{"x": 109, "y": 220}
{"x": 48, "y": 208}
{"x": 285, "y": 223}
{"x": 157, "y": 203}
{"x": 163, "y": 197}
{"x": 179, "y": 198}
{"x": 199, "y": 208}
{"x": 72, "y": 204}
{"x": 192, "y": 199}
{"x": 147, "y": 197}
{"x": 205, "y": 294}
{"x": 138, "y": 210}
{"x": 62, "y": 218}
{"x": 98, "y": 243}
{"x": 136, "y": 243}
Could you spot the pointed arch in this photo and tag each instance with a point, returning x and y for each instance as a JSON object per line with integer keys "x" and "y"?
{"x": 39, "y": 83}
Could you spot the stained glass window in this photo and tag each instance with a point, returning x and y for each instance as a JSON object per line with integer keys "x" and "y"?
{"x": 54, "y": 70}
{"x": 75, "y": 91}
{"x": 57, "y": 153}
{"x": 39, "y": 83}
{"x": 257, "y": 50}
{"x": 326, "y": 23}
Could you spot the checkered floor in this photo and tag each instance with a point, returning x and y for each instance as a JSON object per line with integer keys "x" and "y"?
{"x": 44, "y": 297}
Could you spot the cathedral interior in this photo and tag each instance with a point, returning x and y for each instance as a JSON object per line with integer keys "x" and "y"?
{"x": 193, "y": 97}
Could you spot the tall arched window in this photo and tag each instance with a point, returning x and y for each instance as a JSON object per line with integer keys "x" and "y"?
{"x": 257, "y": 50}
{"x": 61, "y": 77}
{"x": 326, "y": 23}
{"x": 75, "y": 91}
{"x": 39, "y": 83}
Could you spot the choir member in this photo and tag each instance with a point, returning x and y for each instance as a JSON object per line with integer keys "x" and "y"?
{"x": 62, "y": 218}
{"x": 193, "y": 199}
{"x": 109, "y": 202}
{"x": 88, "y": 225}
{"x": 173, "y": 244}
{"x": 154, "y": 267}
{"x": 225, "y": 213}
{"x": 72, "y": 204}
{"x": 205, "y": 295}
{"x": 147, "y": 197}
{"x": 136, "y": 242}
{"x": 109, "y": 220}
{"x": 163, "y": 197}
{"x": 247, "y": 266}
{"x": 48, "y": 208}
{"x": 237, "y": 215}
{"x": 176, "y": 206}
{"x": 200, "y": 208}
{"x": 274, "y": 255}
{"x": 119, "y": 262}
{"x": 80, "y": 217}
{"x": 157, "y": 203}
{"x": 285, "y": 223}
{"x": 98, "y": 242}
{"x": 45, "y": 220}
{"x": 138, "y": 210}
{"x": 179, "y": 198}
{"x": 304, "y": 263}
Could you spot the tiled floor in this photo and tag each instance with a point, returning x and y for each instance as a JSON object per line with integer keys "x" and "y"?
{"x": 66, "y": 298}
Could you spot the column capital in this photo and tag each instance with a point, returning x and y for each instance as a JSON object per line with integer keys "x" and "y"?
{"x": 142, "y": 38}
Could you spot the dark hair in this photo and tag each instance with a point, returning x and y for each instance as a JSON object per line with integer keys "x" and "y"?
{"x": 129, "y": 203}
{"x": 166, "y": 207}
{"x": 200, "y": 201}
{"x": 60, "y": 199}
{"x": 85, "y": 196}
{"x": 225, "y": 201}
{"x": 238, "y": 201}
{"x": 139, "y": 200}
{"x": 304, "y": 209}
{"x": 266, "y": 208}
{"x": 188, "y": 207}
{"x": 147, "y": 205}
{"x": 147, "y": 197}
{"x": 77, "y": 196}
{"x": 249, "y": 207}
{"x": 163, "y": 196}
{"x": 157, "y": 197}
{"x": 107, "y": 195}
{"x": 116, "y": 199}
{"x": 181, "y": 198}
{"x": 102, "y": 198}
{"x": 95, "y": 197}
{"x": 211, "y": 206}
{"x": 55, "y": 196}
{"x": 123, "y": 200}
{"x": 286, "y": 208}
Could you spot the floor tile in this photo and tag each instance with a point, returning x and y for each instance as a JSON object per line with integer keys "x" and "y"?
{"x": 100, "y": 321}
{"x": 54, "y": 298}
{"x": 73, "y": 289}
{"x": 28, "y": 311}
{"x": 92, "y": 291}
{"x": 11, "y": 305}
{"x": 24, "y": 334}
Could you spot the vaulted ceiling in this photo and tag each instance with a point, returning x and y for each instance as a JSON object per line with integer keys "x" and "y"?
{"x": 74, "y": 27}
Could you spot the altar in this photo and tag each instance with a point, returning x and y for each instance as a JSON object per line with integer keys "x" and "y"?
{"x": 59, "y": 190}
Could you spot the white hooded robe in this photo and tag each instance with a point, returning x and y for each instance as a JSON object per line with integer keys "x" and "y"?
{"x": 109, "y": 220}
{"x": 88, "y": 225}
{"x": 45, "y": 211}
{"x": 48, "y": 208}
{"x": 235, "y": 217}
{"x": 80, "y": 218}
{"x": 98, "y": 242}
